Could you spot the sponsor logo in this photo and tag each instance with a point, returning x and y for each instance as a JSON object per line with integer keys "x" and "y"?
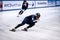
{"x": 39, "y": 3}
{"x": 11, "y": 5}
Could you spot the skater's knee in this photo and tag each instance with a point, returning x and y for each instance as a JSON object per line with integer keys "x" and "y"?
{"x": 31, "y": 25}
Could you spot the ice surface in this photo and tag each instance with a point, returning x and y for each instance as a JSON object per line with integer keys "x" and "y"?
{"x": 47, "y": 28}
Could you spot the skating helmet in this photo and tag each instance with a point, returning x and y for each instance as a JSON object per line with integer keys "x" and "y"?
{"x": 38, "y": 15}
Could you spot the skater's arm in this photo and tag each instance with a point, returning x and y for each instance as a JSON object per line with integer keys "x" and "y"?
{"x": 33, "y": 19}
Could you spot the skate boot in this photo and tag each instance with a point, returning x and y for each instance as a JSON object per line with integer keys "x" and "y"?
{"x": 25, "y": 29}
{"x": 13, "y": 30}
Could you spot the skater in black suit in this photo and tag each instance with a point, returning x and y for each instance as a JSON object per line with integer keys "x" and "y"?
{"x": 30, "y": 20}
{"x": 24, "y": 7}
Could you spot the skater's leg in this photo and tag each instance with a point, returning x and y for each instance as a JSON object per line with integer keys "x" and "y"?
{"x": 14, "y": 29}
{"x": 30, "y": 25}
{"x": 18, "y": 25}
{"x": 21, "y": 12}
{"x": 23, "y": 22}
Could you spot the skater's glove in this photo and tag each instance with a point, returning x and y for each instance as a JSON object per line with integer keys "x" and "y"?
{"x": 35, "y": 22}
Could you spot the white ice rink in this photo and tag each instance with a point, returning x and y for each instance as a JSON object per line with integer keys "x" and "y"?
{"x": 47, "y": 28}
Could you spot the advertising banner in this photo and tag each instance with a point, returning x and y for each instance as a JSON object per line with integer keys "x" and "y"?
{"x": 41, "y": 3}
{"x": 12, "y": 5}
{"x": 15, "y": 4}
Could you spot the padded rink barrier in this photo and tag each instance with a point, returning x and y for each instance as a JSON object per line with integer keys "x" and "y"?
{"x": 16, "y": 5}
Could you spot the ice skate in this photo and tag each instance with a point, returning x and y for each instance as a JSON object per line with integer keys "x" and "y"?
{"x": 13, "y": 30}
{"x": 25, "y": 29}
